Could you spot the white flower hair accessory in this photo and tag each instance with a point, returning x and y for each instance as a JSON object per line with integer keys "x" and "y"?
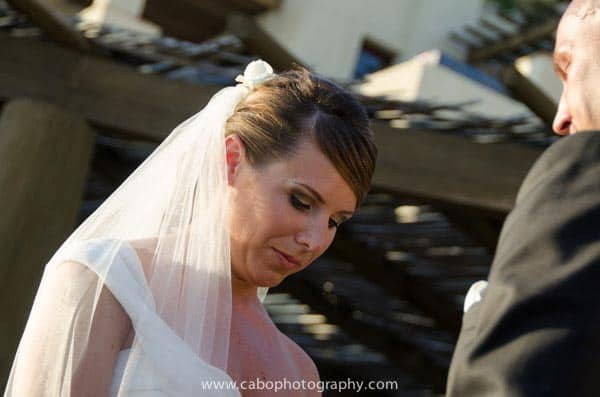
{"x": 256, "y": 73}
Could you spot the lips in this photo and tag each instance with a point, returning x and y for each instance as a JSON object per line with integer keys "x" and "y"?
{"x": 288, "y": 258}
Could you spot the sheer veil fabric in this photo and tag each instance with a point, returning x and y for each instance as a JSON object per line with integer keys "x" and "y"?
{"x": 160, "y": 244}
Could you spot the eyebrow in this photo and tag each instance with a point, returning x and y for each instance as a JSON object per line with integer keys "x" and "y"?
{"x": 320, "y": 198}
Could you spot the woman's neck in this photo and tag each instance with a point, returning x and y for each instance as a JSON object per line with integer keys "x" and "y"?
{"x": 242, "y": 291}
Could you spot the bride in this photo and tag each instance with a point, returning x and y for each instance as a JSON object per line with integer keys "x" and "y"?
{"x": 158, "y": 292}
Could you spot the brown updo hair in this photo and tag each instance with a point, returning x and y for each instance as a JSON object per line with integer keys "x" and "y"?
{"x": 297, "y": 104}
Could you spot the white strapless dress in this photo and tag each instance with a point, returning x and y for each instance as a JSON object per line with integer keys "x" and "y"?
{"x": 146, "y": 383}
{"x": 160, "y": 363}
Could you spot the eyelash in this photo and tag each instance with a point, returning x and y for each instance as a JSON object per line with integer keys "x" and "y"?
{"x": 301, "y": 206}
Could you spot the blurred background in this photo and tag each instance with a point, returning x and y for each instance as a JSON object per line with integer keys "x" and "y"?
{"x": 461, "y": 94}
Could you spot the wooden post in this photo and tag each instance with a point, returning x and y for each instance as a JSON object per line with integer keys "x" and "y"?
{"x": 44, "y": 157}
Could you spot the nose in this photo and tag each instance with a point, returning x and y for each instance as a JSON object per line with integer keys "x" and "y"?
{"x": 563, "y": 119}
{"x": 314, "y": 237}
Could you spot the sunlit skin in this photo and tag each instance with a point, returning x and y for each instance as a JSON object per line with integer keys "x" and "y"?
{"x": 578, "y": 66}
{"x": 291, "y": 206}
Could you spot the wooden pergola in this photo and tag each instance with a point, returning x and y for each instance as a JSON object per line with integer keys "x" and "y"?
{"x": 56, "y": 93}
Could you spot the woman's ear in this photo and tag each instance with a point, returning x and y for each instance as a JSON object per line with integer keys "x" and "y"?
{"x": 234, "y": 149}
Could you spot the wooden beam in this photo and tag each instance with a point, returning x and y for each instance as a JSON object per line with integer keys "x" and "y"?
{"x": 451, "y": 169}
{"x": 429, "y": 165}
{"x": 200, "y": 20}
{"x": 482, "y": 230}
{"x": 52, "y": 22}
{"x": 513, "y": 42}
{"x": 188, "y": 19}
{"x": 371, "y": 263}
{"x": 261, "y": 43}
{"x": 530, "y": 94}
{"x": 111, "y": 96}
{"x": 254, "y": 6}
{"x": 44, "y": 157}
{"x": 401, "y": 347}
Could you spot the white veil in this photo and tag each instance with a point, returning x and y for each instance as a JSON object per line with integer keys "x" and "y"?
{"x": 160, "y": 244}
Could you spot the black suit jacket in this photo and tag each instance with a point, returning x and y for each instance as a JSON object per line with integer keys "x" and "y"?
{"x": 536, "y": 331}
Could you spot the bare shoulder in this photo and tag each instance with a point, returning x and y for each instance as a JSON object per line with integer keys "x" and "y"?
{"x": 72, "y": 291}
{"x": 73, "y": 285}
{"x": 306, "y": 366}
{"x": 74, "y": 282}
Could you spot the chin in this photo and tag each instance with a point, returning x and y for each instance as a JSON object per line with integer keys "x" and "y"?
{"x": 270, "y": 281}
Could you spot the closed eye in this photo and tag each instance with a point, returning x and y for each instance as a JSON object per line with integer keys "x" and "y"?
{"x": 299, "y": 204}
{"x": 302, "y": 206}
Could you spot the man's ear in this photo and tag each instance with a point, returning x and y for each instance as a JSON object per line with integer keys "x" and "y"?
{"x": 234, "y": 149}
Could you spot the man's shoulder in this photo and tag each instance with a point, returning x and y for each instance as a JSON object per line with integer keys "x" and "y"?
{"x": 564, "y": 162}
{"x": 581, "y": 147}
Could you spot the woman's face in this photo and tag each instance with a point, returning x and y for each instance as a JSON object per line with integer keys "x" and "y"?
{"x": 283, "y": 214}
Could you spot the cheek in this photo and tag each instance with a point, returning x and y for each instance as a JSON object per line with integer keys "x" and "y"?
{"x": 279, "y": 219}
{"x": 261, "y": 217}
{"x": 575, "y": 100}
{"x": 583, "y": 96}
{"x": 585, "y": 105}
{"x": 589, "y": 90}
{"x": 246, "y": 229}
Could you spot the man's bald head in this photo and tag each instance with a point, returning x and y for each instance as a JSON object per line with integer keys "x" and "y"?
{"x": 582, "y": 8}
{"x": 575, "y": 57}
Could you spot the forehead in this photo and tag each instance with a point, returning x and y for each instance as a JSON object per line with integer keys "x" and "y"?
{"x": 578, "y": 28}
{"x": 310, "y": 166}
